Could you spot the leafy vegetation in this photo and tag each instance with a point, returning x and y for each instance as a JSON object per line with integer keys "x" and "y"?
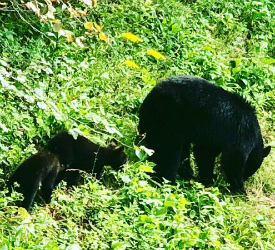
{"x": 87, "y": 66}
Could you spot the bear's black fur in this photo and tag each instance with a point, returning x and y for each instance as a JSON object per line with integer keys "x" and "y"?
{"x": 184, "y": 110}
{"x": 40, "y": 169}
{"x": 85, "y": 155}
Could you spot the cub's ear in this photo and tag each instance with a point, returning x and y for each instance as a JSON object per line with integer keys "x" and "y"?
{"x": 113, "y": 142}
{"x": 266, "y": 151}
{"x": 119, "y": 149}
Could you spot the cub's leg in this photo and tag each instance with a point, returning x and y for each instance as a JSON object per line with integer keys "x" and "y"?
{"x": 29, "y": 192}
{"x": 48, "y": 184}
{"x": 71, "y": 176}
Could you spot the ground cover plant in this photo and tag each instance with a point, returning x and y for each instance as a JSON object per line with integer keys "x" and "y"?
{"x": 86, "y": 66}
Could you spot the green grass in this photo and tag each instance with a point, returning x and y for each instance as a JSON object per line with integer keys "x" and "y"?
{"x": 49, "y": 84}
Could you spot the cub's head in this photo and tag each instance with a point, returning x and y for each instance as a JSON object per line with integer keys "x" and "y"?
{"x": 117, "y": 156}
{"x": 62, "y": 145}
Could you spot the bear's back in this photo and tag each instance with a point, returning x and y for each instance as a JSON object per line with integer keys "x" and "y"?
{"x": 198, "y": 92}
{"x": 199, "y": 109}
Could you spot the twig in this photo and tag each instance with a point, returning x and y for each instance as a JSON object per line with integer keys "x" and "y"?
{"x": 29, "y": 23}
{"x": 98, "y": 132}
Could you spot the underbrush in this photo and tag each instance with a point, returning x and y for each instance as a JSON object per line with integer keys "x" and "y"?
{"x": 131, "y": 213}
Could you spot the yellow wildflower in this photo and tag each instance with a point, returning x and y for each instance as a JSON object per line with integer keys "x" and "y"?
{"x": 140, "y": 189}
{"x": 55, "y": 21}
{"x": 104, "y": 37}
{"x": 155, "y": 54}
{"x": 88, "y": 26}
{"x": 98, "y": 28}
{"x": 23, "y": 212}
{"x": 131, "y": 64}
{"x": 131, "y": 37}
{"x": 69, "y": 36}
{"x": 146, "y": 168}
{"x": 182, "y": 202}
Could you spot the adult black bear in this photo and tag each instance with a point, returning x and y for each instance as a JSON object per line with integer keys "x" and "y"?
{"x": 185, "y": 109}
{"x": 85, "y": 155}
{"x": 40, "y": 169}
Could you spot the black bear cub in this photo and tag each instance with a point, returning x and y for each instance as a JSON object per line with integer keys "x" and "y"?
{"x": 184, "y": 110}
{"x": 40, "y": 169}
{"x": 85, "y": 155}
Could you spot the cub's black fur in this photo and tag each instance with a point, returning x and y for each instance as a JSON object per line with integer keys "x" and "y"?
{"x": 185, "y": 109}
{"x": 85, "y": 155}
{"x": 40, "y": 169}
{"x": 71, "y": 176}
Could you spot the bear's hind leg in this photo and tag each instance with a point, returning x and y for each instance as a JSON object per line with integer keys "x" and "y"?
{"x": 233, "y": 164}
{"x": 205, "y": 159}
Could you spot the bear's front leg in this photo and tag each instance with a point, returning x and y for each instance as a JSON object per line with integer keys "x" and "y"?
{"x": 185, "y": 171}
{"x": 167, "y": 164}
{"x": 233, "y": 164}
{"x": 205, "y": 159}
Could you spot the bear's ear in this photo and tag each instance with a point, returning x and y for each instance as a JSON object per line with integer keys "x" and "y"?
{"x": 266, "y": 151}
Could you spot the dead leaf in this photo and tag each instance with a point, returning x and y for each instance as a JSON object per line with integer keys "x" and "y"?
{"x": 62, "y": 32}
{"x": 89, "y": 33}
{"x": 83, "y": 12}
{"x": 94, "y": 3}
{"x": 72, "y": 11}
{"x": 44, "y": 10}
{"x": 90, "y": 3}
{"x": 34, "y": 7}
{"x": 75, "y": 12}
{"x": 50, "y": 13}
{"x": 67, "y": 34}
{"x": 79, "y": 42}
{"x": 57, "y": 27}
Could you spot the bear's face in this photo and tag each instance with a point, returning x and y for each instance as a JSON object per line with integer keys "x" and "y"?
{"x": 255, "y": 160}
{"x": 117, "y": 157}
